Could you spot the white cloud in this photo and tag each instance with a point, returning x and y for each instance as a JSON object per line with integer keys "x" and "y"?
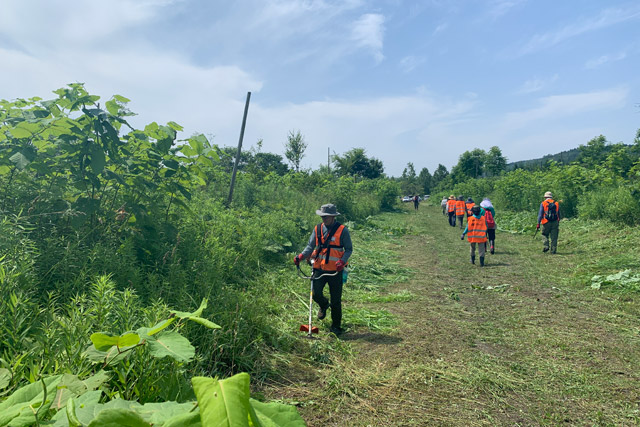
{"x": 499, "y": 8}
{"x": 392, "y": 129}
{"x": 559, "y": 106}
{"x": 536, "y": 84}
{"x": 409, "y": 63}
{"x": 368, "y": 32}
{"x": 606, "y": 18}
{"x": 440, "y": 28}
{"x": 53, "y": 25}
{"x": 597, "y": 62}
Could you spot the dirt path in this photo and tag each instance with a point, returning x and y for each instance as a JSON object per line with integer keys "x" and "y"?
{"x": 507, "y": 344}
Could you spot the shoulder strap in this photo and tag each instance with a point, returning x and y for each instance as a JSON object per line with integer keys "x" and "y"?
{"x": 325, "y": 245}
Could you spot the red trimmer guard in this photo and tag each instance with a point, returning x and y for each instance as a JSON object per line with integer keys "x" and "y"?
{"x": 305, "y": 328}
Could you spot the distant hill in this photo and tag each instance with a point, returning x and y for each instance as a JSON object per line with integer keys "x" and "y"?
{"x": 564, "y": 157}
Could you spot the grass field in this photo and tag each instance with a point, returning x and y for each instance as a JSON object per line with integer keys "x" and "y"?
{"x": 434, "y": 340}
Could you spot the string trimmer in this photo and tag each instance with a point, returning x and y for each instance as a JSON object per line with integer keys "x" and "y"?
{"x": 308, "y": 328}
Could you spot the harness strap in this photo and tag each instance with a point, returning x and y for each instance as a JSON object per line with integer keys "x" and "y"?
{"x": 327, "y": 243}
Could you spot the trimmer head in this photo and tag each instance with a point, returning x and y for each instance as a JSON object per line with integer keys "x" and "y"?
{"x": 305, "y": 328}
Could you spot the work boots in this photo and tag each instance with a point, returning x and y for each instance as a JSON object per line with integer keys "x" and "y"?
{"x": 481, "y": 261}
{"x": 473, "y": 259}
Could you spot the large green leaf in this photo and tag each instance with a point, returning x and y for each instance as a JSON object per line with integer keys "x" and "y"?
{"x": 158, "y": 327}
{"x": 171, "y": 344}
{"x": 118, "y": 418}
{"x": 158, "y": 413}
{"x": 197, "y": 313}
{"x": 224, "y": 402}
{"x": 20, "y": 160}
{"x": 70, "y": 386}
{"x": 204, "y": 322}
{"x": 98, "y": 159}
{"x": 277, "y": 415}
{"x": 191, "y": 419}
{"x": 20, "y": 132}
{"x": 5, "y": 378}
{"x": 19, "y": 405}
{"x": 85, "y": 409}
{"x": 103, "y": 341}
{"x": 196, "y": 316}
{"x": 109, "y": 356}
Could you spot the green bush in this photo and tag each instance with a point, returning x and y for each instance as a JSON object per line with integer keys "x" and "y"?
{"x": 620, "y": 205}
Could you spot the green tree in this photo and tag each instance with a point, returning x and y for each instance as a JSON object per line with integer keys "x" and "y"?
{"x": 470, "y": 164}
{"x": 424, "y": 180}
{"x": 356, "y": 163}
{"x": 439, "y": 174}
{"x": 295, "y": 148}
{"x": 594, "y": 153}
{"x": 619, "y": 161}
{"x": 409, "y": 180}
{"x": 495, "y": 162}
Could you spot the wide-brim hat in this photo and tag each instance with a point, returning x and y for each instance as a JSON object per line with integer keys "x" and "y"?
{"x": 548, "y": 195}
{"x": 451, "y": 197}
{"x": 328, "y": 210}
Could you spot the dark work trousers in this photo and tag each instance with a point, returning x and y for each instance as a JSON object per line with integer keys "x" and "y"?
{"x": 416, "y": 204}
{"x": 335, "y": 291}
{"x": 491, "y": 236}
{"x": 452, "y": 218}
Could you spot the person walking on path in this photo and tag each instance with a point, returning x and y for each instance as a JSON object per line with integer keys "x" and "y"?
{"x": 469, "y": 204}
{"x": 329, "y": 248}
{"x": 443, "y": 204}
{"x": 477, "y": 234}
{"x": 490, "y": 215}
{"x": 416, "y": 202}
{"x": 451, "y": 209}
{"x": 549, "y": 217}
{"x": 461, "y": 209}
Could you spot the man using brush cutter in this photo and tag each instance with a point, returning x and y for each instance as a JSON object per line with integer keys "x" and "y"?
{"x": 329, "y": 249}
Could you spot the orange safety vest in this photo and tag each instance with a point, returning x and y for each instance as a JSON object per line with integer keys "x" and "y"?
{"x": 451, "y": 205}
{"x": 545, "y": 206}
{"x": 326, "y": 256}
{"x": 460, "y": 208}
{"x": 469, "y": 206}
{"x": 477, "y": 229}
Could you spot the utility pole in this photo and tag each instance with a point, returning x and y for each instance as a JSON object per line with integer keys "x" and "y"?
{"x": 328, "y": 160}
{"x": 235, "y": 165}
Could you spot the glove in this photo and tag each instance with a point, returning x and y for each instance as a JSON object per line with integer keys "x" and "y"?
{"x": 297, "y": 259}
{"x": 538, "y": 227}
{"x": 340, "y": 265}
{"x": 462, "y": 237}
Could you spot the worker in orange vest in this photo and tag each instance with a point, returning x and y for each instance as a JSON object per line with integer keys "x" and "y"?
{"x": 330, "y": 248}
{"x": 461, "y": 209}
{"x": 549, "y": 217}
{"x": 451, "y": 209}
{"x": 469, "y": 204}
{"x": 476, "y": 231}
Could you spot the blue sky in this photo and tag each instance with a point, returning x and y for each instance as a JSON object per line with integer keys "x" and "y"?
{"x": 409, "y": 81}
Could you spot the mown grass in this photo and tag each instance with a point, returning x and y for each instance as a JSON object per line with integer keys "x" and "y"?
{"x": 523, "y": 341}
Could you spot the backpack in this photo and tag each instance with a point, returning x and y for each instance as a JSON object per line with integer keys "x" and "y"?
{"x": 489, "y": 218}
{"x": 551, "y": 213}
